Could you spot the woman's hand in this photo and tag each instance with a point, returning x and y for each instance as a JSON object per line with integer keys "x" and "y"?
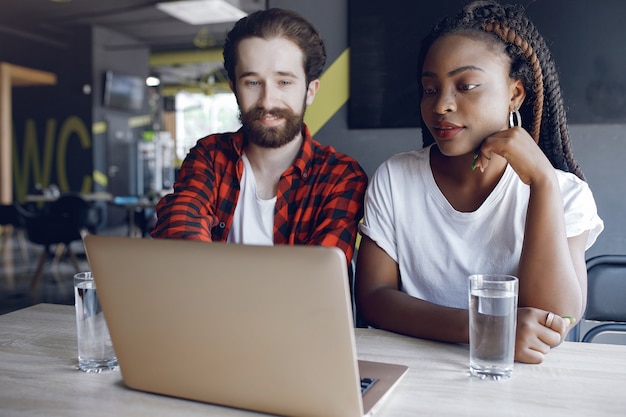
{"x": 538, "y": 331}
{"x": 519, "y": 149}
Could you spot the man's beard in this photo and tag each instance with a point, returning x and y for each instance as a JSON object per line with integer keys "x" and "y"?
{"x": 271, "y": 137}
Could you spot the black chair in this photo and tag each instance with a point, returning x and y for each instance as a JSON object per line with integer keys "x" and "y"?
{"x": 59, "y": 224}
{"x": 606, "y": 297}
{"x": 10, "y": 226}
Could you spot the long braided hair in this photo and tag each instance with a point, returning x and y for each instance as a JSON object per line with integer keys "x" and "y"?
{"x": 543, "y": 112}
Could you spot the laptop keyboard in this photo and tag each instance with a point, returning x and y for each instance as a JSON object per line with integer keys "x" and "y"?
{"x": 366, "y": 384}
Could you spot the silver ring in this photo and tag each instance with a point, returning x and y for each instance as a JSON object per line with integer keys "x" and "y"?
{"x": 549, "y": 319}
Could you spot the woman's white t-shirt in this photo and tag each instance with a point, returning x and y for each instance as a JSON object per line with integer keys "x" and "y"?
{"x": 437, "y": 247}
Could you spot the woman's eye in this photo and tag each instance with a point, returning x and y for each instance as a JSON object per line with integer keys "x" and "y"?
{"x": 467, "y": 87}
{"x": 429, "y": 91}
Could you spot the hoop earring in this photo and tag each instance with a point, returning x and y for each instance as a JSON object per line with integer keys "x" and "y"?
{"x": 515, "y": 119}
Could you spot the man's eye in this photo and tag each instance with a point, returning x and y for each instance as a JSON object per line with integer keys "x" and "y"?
{"x": 429, "y": 91}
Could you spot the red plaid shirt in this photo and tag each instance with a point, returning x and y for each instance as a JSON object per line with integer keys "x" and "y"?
{"x": 319, "y": 200}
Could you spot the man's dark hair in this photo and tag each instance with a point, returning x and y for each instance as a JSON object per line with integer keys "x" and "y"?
{"x": 273, "y": 23}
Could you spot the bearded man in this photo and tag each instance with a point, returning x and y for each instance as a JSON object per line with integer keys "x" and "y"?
{"x": 270, "y": 182}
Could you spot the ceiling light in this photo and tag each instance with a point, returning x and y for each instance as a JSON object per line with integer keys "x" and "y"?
{"x": 200, "y": 12}
{"x": 153, "y": 81}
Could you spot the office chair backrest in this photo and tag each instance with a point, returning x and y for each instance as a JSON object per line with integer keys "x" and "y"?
{"x": 606, "y": 299}
{"x": 62, "y": 221}
{"x": 606, "y": 275}
{"x": 71, "y": 207}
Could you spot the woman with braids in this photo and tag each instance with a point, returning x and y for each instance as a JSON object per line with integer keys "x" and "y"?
{"x": 495, "y": 189}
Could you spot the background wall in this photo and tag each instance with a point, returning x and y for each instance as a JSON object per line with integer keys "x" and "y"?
{"x": 116, "y": 132}
{"x": 52, "y": 124}
{"x": 383, "y": 37}
{"x": 62, "y": 134}
{"x": 599, "y": 148}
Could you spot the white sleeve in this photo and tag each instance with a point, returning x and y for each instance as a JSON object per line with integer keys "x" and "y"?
{"x": 378, "y": 220}
{"x": 581, "y": 213}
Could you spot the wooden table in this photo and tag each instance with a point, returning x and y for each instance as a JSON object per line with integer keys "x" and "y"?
{"x": 38, "y": 377}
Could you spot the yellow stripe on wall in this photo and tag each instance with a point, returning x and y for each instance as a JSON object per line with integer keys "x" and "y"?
{"x": 100, "y": 178}
{"x": 186, "y": 57}
{"x": 98, "y": 128}
{"x": 333, "y": 93}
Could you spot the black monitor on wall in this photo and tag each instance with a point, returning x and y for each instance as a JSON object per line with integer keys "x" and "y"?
{"x": 124, "y": 92}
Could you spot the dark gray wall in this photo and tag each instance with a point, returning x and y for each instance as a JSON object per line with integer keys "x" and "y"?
{"x": 58, "y": 150}
{"x": 582, "y": 35}
{"x": 599, "y": 148}
{"x": 115, "y": 146}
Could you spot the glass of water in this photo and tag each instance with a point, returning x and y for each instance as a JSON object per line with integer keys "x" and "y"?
{"x": 95, "y": 350}
{"x": 492, "y": 323}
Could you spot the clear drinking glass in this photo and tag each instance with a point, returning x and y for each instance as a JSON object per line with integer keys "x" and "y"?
{"x": 493, "y": 319}
{"x": 95, "y": 350}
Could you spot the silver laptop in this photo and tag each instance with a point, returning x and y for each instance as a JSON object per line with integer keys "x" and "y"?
{"x": 263, "y": 328}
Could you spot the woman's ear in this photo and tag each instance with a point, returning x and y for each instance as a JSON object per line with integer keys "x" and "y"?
{"x": 518, "y": 94}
